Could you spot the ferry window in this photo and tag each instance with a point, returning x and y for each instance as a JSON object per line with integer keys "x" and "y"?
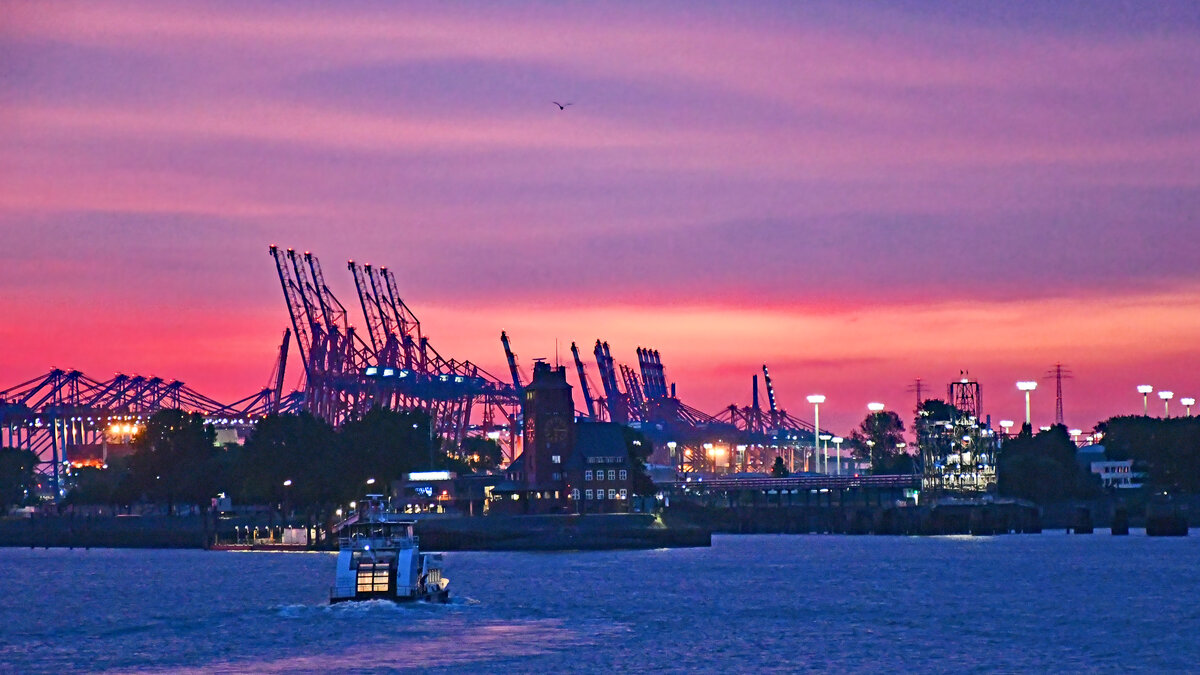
{"x": 612, "y": 494}
{"x": 612, "y": 475}
{"x": 587, "y": 475}
{"x": 587, "y": 494}
{"x": 624, "y": 474}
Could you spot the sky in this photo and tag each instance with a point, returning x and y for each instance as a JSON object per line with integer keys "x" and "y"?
{"x": 856, "y": 194}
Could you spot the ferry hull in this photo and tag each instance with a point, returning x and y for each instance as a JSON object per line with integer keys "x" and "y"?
{"x": 440, "y": 597}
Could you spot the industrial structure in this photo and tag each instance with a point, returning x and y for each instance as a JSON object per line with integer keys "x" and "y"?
{"x": 959, "y": 454}
{"x": 737, "y": 439}
{"x": 395, "y": 367}
{"x": 69, "y": 419}
{"x": 64, "y": 415}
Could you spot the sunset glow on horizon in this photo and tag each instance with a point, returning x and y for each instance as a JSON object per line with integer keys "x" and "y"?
{"x": 857, "y": 196}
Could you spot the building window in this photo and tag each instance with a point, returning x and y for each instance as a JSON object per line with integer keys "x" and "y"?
{"x": 587, "y": 475}
{"x": 575, "y": 493}
{"x": 624, "y": 474}
{"x": 587, "y": 494}
{"x": 557, "y": 459}
{"x": 612, "y": 494}
{"x": 624, "y": 494}
{"x": 612, "y": 475}
{"x": 599, "y": 494}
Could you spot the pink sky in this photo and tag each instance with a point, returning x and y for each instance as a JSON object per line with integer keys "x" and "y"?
{"x": 854, "y": 195}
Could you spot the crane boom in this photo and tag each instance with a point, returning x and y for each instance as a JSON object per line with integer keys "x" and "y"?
{"x": 512, "y": 361}
{"x": 583, "y": 383}
{"x": 280, "y": 369}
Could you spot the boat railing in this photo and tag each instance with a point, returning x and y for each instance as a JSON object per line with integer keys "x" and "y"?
{"x": 398, "y": 541}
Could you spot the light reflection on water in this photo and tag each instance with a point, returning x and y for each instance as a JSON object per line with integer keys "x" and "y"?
{"x": 768, "y": 603}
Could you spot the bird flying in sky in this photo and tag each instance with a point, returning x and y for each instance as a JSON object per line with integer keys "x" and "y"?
{"x": 561, "y": 106}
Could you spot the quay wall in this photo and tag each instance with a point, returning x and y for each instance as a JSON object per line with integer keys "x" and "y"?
{"x": 981, "y": 519}
{"x": 484, "y": 533}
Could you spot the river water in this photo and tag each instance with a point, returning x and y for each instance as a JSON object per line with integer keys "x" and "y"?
{"x": 1049, "y": 602}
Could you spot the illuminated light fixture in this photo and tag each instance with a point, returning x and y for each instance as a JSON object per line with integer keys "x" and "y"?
{"x": 875, "y": 407}
{"x": 817, "y": 400}
{"x": 1144, "y": 390}
{"x": 1189, "y": 402}
{"x": 1166, "y": 397}
{"x": 1027, "y": 386}
{"x": 430, "y": 475}
{"x": 287, "y": 483}
{"x": 371, "y": 371}
{"x": 388, "y": 372}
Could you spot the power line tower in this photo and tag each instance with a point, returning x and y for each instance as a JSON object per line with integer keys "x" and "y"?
{"x": 1059, "y": 372}
{"x": 919, "y": 387}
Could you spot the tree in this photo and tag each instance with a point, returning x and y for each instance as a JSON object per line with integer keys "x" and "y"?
{"x": 879, "y": 439}
{"x": 778, "y": 469}
{"x": 100, "y": 486}
{"x": 298, "y": 448}
{"x": 639, "y": 449}
{"x": 17, "y": 482}
{"x": 386, "y": 444}
{"x": 482, "y": 454}
{"x": 175, "y": 459}
{"x": 1166, "y": 450}
{"x": 1041, "y": 468}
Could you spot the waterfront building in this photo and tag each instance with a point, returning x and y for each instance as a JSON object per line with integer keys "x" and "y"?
{"x": 1117, "y": 474}
{"x": 565, "y": 466}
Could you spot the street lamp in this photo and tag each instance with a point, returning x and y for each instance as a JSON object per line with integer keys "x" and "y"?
{"x": 825, "y": 438}
{"x": 870, "y": 454}
{"x": 1027, "y": 386}
{"x": 370, "y": 481}
{"x": 875, "y": 407}
{"x": 1166, "y": 397}
{"x": 816, "y": 400}
{"x": 1007, "y": 425}
{"x": 1144, "y": 390}
{"x": 287, "y": 483}
{"x": 1075, "y": 435}
{"x": 837, "y": 440}
{"x": 1189, "y": 402}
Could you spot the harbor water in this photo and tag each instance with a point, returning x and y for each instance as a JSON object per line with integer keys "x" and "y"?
{"x": 1049, "y": 602}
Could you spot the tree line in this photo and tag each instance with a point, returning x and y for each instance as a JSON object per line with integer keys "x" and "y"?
{"x": 296, "y": 462}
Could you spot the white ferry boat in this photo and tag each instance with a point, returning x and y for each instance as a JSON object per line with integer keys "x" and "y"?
{"x": 378, "y": 559}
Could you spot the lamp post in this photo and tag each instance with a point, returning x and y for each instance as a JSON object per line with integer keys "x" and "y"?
{"x": 870, "y": 453}
{"x": 1188, "y": 402}
{"x": 286, "y": 493}
{"x": 1007, "y": 425}
{"x": 837, "y": 440}
{"x": 825, "y": 438}
{"x": 1166, "y": 397}
{"x": 1075, "y": 435}
{"x": 1027, "y": 386}
{"x": 1144, "y": 390}
{"x": 874, "y": 407}
{"x": 816, "y": 400}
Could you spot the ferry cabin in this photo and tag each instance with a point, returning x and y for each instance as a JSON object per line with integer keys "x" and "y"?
{"x": 380, "y": 560}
